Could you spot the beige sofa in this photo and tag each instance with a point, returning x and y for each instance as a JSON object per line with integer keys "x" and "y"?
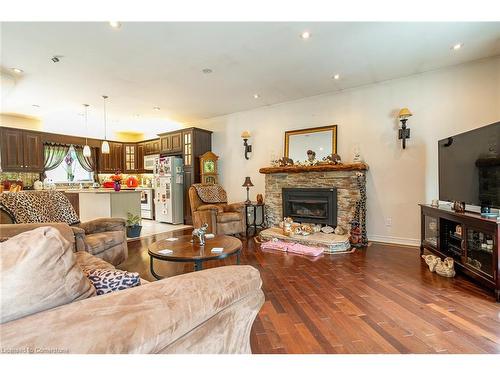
{"x": 105, "y": 238}
{"x": 209, "y": 311}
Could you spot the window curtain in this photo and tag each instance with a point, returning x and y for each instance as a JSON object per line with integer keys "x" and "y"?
{"x": 54, "y": 156}
{"x": 88, "y": 164}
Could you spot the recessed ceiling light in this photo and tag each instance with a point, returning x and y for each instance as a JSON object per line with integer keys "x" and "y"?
{"x": 156, "y": 108}
{"x": 256, "y": 96}
{"x": 336, "y": 76}
{"x": 115, "y": 24}
{"x": 305, "y": 35}
{"x": 17, "y": 70}
{"x": 457, "y": 46}
{"x": 207, "y": 70}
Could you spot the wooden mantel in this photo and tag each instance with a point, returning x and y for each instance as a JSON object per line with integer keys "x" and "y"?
{"x": 316, "y": 168}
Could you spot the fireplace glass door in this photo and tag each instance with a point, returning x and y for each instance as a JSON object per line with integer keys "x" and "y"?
{"x": 316, "y": 205}
{"x": 309, "y": 209}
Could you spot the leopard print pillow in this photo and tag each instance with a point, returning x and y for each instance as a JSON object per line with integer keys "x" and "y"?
{"x": 107, "y": 281}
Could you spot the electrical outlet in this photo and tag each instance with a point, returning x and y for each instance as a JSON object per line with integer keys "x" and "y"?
{"x": 388, "y": 221}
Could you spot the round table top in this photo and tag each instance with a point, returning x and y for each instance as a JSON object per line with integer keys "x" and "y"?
{"x": 184, "y": 250}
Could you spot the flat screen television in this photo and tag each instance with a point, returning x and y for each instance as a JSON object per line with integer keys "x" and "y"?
{"x": 469, "y": 167}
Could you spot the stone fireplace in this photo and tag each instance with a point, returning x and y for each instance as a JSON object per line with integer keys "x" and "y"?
{"x": 348, "y": 180}
{"x": 311, "y": 205}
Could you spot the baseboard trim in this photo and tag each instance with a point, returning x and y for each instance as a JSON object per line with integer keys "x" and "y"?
{"x": 395, "y": 240}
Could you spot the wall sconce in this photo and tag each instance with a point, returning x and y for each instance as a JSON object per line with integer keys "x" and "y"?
{"x": 248, "y": 148}
{"x": 404, "y": 132}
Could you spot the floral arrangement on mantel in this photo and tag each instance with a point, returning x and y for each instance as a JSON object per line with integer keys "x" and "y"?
{"x": 332, "y": 159}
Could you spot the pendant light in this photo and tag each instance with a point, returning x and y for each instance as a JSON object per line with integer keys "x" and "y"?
{"x": 105, "y": 144}
{"x": 86, "y": 148}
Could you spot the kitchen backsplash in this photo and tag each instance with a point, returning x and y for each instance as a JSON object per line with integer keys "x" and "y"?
{"x": 144, "y": 179}
{"x": 29, "y": 178}
{"x": 26, "y": 177}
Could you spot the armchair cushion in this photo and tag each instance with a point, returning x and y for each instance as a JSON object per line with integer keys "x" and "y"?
{"x": 234, "y": 207}
{"x": 39, "y": 272}
{"x": 98, "y": 242}
{"x": 211, "y": 207}
{"x": 227, "y": 217}
{"x": 103, "y": 224}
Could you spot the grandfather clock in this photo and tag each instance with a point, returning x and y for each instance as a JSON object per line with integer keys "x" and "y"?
{"x": 208, "y": 168}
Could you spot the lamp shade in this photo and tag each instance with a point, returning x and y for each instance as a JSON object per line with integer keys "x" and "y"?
{"x": 105, "y": 147}
{"x": 247, "y": 182}
{"x": 86, "y": 151}
{"x": 245, "y": 134}
{"x": 404, "y": 113}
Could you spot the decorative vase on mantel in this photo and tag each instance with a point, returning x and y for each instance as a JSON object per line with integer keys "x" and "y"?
{"x": 117, "y": 186}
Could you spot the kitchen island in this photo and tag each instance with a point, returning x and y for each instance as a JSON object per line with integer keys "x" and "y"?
{"x": 93, "y": 203}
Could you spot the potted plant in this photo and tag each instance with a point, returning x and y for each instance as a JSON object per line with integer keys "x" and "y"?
{"x": 133, "y": 225}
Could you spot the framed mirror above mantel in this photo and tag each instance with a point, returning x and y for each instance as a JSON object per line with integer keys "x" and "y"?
{"x": 322, "y": 140}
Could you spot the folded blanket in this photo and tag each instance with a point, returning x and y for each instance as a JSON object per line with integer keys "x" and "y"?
{"x": 295, "y": 248}
{"x": 42, "y": 206}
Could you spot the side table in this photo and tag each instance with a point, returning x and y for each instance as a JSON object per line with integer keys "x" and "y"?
{"x": 256, "y": 211}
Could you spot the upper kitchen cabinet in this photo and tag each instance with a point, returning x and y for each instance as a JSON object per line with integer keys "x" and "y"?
{"x": 21, "y": 150}
{"x": 112, "y": 162}
{"x": 131, "y": 158}
{"x": 140, "y": 152}
{"x": 151, "y": 147}
{"x": 171, "y": 143}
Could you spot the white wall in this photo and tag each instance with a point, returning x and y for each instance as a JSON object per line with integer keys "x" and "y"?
{"x": 443, "y": 102}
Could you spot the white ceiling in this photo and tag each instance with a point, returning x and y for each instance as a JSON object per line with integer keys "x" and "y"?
{"x": 143, "y": 65}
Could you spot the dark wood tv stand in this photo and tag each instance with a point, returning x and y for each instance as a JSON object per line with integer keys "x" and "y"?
{"x": 470, "y": 239}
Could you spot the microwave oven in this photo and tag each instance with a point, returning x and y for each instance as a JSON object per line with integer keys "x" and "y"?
{"x": 149, "y": 162}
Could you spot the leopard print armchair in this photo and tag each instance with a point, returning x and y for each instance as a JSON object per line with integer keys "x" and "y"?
{"x": 103, "y": 237}
{"x": 209, "y": 205}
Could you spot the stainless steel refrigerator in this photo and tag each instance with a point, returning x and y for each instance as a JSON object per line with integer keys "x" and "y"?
{"x": 169, "y": 190}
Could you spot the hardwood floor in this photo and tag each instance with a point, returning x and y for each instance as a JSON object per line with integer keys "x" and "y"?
{"x": 381, "y": 299}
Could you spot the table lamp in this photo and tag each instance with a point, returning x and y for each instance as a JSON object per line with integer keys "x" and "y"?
{"x": 247, "y": 184}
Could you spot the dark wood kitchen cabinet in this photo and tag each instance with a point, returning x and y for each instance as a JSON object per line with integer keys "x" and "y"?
{"x": 171, "y": 143}
{"x": 151, "y": 147}
{"x": 22, "y": 150}
{"x": 195, "y": 142}
{"x": 130, "y": 158}
{"x": 140, "y": 152}
{"x": 112, "y": 162}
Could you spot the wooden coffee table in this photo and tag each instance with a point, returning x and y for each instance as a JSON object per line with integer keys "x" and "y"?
{"x": 183, "y": 250}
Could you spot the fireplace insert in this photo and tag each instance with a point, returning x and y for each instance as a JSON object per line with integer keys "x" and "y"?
{"x": 311, "y": 205}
